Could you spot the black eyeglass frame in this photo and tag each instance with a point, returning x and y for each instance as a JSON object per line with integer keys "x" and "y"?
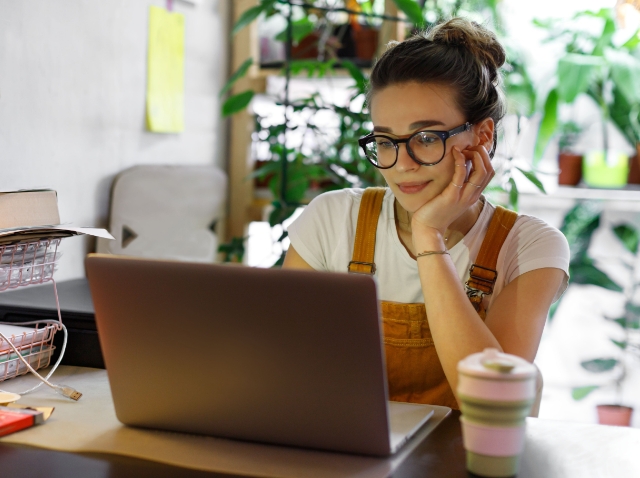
{"x": 444, "y": 136}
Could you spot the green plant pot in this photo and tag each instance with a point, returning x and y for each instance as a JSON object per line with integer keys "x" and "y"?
{"x": 609, "y": 173}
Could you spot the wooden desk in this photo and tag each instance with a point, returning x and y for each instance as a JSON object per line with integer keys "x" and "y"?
{"x": 554, "y": 449}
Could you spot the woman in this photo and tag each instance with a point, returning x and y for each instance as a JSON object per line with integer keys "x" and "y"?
{"x": 435, "y": 106}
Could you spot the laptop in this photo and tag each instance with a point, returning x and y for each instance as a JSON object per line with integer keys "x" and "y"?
{"x": 278, "y": 356}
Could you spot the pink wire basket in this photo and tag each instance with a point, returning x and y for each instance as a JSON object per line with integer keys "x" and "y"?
{"x": 23, "y": 264}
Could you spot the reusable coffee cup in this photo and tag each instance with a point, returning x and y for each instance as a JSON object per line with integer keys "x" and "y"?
{"x": 496, "y": 393}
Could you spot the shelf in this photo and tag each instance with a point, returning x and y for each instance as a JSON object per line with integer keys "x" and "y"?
{"x": 565, "y": 197}
{"x": 629, "y": 193}
{"x": 275, "y": 69}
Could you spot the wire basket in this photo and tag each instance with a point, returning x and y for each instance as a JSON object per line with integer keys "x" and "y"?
{"x": 27, "y": 263}
{"x": 24, "y": 264}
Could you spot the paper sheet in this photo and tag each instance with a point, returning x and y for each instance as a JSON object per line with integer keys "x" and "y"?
{"x": 165, "y": 71}
{"x": 90, "y": 425}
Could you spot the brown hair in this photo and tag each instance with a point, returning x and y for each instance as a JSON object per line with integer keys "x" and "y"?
{"x": 458, "y": 53}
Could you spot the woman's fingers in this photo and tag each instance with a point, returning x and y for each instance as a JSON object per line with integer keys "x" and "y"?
{"x": 483, "y": 169}
{"x": 478, "y": 177}
{"x": 460, "y": 173}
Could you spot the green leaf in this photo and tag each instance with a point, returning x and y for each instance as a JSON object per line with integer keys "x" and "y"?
{"x": 575, "y": 74}
{"x": 588, "y": 274}
{"x": 625, "y": 72}
{"x": 632, "y": 318}
{"x": 237, "y": 103}
{"x": 621, "y": 321}
{"x": 625, "y": 115}
{"x": 280, "y": 213}
{"x": 297, "y": 185}
{"x": 628, "y": 235}
{"x": 283, "y": 236}
{"x": 299, "y": 29}
{"x": 608, "y": 31}
{"x": 495, "y": 189}
{"x": 356, "y": 74}
{"x": 412, "y": 10}
{"x": 250, "y": 15}
{"x": 239, "y": 73}
{"x": 520, "y": 93}
{"x": 533, "y": 178}
{"x": 632, "y": 43}
{"x": 270, "y": 167}
{"x": 546, "y": 23}
{"x": 578, "y": 226}
{"x": 622, "y": 345}
{"x": 547, "y": 125}
{"x": 233, "y": 250}
{"x": 280, "y": 261}
{"x": 599, "y": 365}
{"x": 633, "y": 313}
{"x": 312, "y": 67}
{"x": 513, "y": 194}
{"x": 579, "y": 393}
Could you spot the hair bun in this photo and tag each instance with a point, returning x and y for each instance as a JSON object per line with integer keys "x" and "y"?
{"x": 478, "y": 40}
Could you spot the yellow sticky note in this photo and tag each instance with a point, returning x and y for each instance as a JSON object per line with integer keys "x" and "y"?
{"x": 165, "y": 72}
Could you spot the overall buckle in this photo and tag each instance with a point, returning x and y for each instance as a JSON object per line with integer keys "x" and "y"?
{"x": 481, "y": 280}
{"x": 370, "y": 264}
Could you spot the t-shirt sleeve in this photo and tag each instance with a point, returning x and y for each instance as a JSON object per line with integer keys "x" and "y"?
{"x": 317, "y": 231}
{"x": 537, "y": 245}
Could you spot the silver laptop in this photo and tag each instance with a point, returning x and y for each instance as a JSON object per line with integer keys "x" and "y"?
{"x": 285, "y": 357}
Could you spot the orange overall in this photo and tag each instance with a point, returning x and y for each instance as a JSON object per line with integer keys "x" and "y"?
{"x": 414, "y": 371}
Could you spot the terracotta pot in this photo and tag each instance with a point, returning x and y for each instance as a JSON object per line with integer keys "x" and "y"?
{"x": 262, "y": 182}
{"x": 618, "y": 415}
{"x": 570, "y": 166}
{"x": 306, "y": 48}
{"x": 366, "y": 40}
{"x": 634, "y": 167}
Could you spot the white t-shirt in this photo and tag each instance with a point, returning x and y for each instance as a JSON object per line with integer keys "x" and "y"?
{"x": 323, "y": 235}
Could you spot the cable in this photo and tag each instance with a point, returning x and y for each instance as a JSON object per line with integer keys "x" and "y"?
{"x": 64, "y": 390}
{"x": 62, "y": 350}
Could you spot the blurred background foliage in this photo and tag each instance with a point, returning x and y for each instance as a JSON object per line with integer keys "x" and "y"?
{"x": 298, "y": 160}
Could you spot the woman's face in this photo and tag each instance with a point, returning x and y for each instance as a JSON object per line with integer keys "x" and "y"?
{"x": 399, "y": 111}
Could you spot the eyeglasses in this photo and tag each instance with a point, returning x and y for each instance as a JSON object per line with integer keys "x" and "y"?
{"x": 426, "y": 148}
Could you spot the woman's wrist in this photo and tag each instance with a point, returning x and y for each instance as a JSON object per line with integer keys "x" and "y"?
{"x": 426, "y": 238}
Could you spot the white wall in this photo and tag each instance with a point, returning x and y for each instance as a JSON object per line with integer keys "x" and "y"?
{"x": 72, "y": 101}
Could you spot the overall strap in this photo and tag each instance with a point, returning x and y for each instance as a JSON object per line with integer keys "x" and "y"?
{"x": 364, "y": 245}
{"x": 483, "y": 274}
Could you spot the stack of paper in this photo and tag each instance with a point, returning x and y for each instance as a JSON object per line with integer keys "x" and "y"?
{"x": 32, "y": 214}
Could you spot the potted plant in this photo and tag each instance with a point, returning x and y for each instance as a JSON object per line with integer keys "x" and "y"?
{"x": 629, "y": 322}
{"x": 569, "y": 162}
{"x": 578, "y": 226}
{"x": 593, "y": 65}
{"x": 626, "y": 116}
{"x": 365, "y": 29}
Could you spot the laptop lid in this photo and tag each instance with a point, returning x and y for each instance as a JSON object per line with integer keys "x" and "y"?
{"x": 279, "y": 356}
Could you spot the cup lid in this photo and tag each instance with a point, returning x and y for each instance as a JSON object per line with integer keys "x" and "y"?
{"x": 491, "y": 363}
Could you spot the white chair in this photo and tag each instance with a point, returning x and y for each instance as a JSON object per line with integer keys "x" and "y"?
{"x": 166, "y": 212}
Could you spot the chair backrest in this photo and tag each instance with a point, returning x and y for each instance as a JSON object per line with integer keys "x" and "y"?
{"x": 166, "y": 212}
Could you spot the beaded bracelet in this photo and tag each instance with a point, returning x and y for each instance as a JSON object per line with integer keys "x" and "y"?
{"x": 428, "y": 253}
